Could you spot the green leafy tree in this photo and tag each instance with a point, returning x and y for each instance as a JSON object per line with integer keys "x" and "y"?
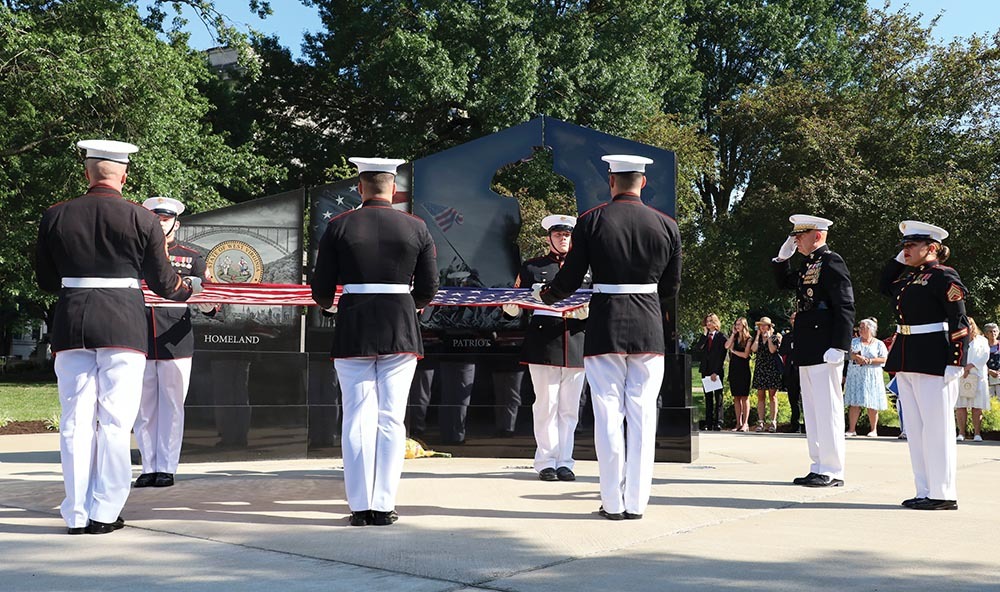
{"x": 79, "y": 69}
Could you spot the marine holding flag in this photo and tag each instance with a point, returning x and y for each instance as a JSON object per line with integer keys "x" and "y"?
{"x": 375, "y": 252}
{"x": 634, "y": 253}
{"x": 159, "y": 425}
{"x": 91, "y": 251}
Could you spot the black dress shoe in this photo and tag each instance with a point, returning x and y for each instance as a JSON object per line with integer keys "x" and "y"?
{"x": 823, "y": 481}
{"x": 909, "y": 503}
{"x": 548, "y": 474}
{"x": 76, "y": 530}
{"x": 631, "y": 516}
{"x": 609, "y": 515}
{"x": 96, "y": 527}
{"x": 362, "y": 518}
{"x": 565, "y": 474}
{"x": 384, "y": 518}
{"x": 163, "y": 480}
{"x": 935, "y": 504}
{"x": 802, "y": 480}
{"x": 145, "y": 480}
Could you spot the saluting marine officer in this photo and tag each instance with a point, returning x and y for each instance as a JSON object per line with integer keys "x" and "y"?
{"x": 553, "y": 351}
{"x": 92, "y": 251}
{"x": 634, "y": 254}
{"x": 159, "y": 426}
{"x": 375, "y": 252}
{"x": 928, "y": 357}
{"x": 822, "y": 333}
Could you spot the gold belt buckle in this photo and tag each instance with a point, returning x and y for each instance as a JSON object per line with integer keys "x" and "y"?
{"x": 904, "y": 329}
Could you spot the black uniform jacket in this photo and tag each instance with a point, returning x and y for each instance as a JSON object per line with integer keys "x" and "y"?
{"x": 825, "y": 296}
{"x": 376, "y": 244}
{"x": 100, "y": 234}
{"x": 170, "y": 334}
{"x": 623, "y": 242}
{"x": 713, "y": 354}
{"x": 931, "y": 293}
{"x": 550, "y": 341}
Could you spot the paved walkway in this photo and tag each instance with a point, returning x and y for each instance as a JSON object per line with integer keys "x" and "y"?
{"x": 730, "y": 521}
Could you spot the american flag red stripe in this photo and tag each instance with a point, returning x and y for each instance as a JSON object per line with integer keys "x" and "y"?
{"x": 300, "y": 295}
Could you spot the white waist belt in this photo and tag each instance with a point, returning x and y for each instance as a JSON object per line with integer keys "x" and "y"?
{"x": 546, "y": 313}
{"x": 625, "y": 288}
{"x": 376, "y": 288}
{"x": 97, "y": 282}
{"x": 921, "y": 329}
{"x": 168, "y": 305}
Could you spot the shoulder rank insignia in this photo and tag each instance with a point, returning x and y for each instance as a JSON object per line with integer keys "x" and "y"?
{"x": 955, "y": 293}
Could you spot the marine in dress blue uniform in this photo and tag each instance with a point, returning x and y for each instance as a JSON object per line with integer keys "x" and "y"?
{"x": 92, "y": 252}
{"x": 553, "y": 351}
{"x": 822, "y": 334}
{"x": 375, "y": 252}
{"x": 928, "y": 356}
{"x": 159, "y": 425}
{"x": 634, "y": 254}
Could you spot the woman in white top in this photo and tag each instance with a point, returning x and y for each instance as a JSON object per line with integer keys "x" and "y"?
{"x": 973, "y": 391}
{"x": 865, "y": 386}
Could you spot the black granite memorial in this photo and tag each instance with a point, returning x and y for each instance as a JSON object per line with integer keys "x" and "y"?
{"x": 264, "y": 386}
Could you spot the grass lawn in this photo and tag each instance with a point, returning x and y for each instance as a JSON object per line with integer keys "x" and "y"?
{"x": 28, "y": 401}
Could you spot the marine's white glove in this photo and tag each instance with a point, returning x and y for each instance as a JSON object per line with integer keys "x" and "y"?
{"x": 833, "y": 356}
{"x": 511, "y": 310}
{"x": 952, "y": 373}
{"x": 579, "y": 313}
{"x": 536, "y": 291}
{"x": 787, "y": 249}
{"x": 196, "y": 286}
{"x": 205, "y": 307}
{"x": 900, "y": 258}
{"x": 332, "y": 309}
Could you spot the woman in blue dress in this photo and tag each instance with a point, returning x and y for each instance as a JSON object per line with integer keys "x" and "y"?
{"x": 865, "y": 386}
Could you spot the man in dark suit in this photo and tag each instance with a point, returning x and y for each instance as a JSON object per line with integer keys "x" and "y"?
{"x": 822, "y": 335}
{"x": 790, "y": 374}
{"x": 712, "y": 347}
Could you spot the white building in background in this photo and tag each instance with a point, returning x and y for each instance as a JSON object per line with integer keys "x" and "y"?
{"x": 24, "y": 343}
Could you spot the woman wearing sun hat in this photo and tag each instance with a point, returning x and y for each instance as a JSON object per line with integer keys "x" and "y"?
{"x": 928, "y": 357}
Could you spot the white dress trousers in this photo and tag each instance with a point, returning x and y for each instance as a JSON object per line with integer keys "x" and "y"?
{"x": 374, "y": 393}
{"x": 555, "y": 413}
{"x": 930, "y": 432}
{"x": 97, "y": 386}
{"x": 159, "y": 426}
{"x": 823, "y": 407}
{"x": 625, "y": 387}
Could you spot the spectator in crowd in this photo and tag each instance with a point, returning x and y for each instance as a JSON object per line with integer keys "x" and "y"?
{"x": 865, "y": 386}
{"x": 790, "y": 375}
{"x": 992, "y": 332}
{"x": 973, "y": 391}
{"x": 712, "y": 346}
{"x": 766, "y": 372}
{"x": 738, "y": 345}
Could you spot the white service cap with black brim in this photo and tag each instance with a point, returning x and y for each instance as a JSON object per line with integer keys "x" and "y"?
{"x": 164, "y": 206}
{"x": 804, "y": 223}
{"x": 914, "y": 231}
{"x": 107, "y": 150}
{"x": 376, "y": 165}
{"x": 558, "y": 222}
{"x": 626, "y": 163}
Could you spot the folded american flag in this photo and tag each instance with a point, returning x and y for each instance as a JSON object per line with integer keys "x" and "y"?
{"x": 299, "y": 295}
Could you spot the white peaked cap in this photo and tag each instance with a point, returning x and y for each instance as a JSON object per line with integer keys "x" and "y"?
{"x": 376, "y": 165}
{"x": 558, "y": 220}
{"x": 913, "y": 230}
{"x": 804, "y": 223}
{"x": 626, "y": 163}
{"x": 108, "y": 150}
{"x": 166, "y": 206}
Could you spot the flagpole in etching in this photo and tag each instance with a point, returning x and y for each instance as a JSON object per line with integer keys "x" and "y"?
{"x": 441, "y": 230}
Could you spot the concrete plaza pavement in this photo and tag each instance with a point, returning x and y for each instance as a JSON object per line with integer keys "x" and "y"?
{"x": 729, "y": 521}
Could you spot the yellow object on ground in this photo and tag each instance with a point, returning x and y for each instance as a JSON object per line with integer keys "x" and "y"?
{"x": 415, "y": 450}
